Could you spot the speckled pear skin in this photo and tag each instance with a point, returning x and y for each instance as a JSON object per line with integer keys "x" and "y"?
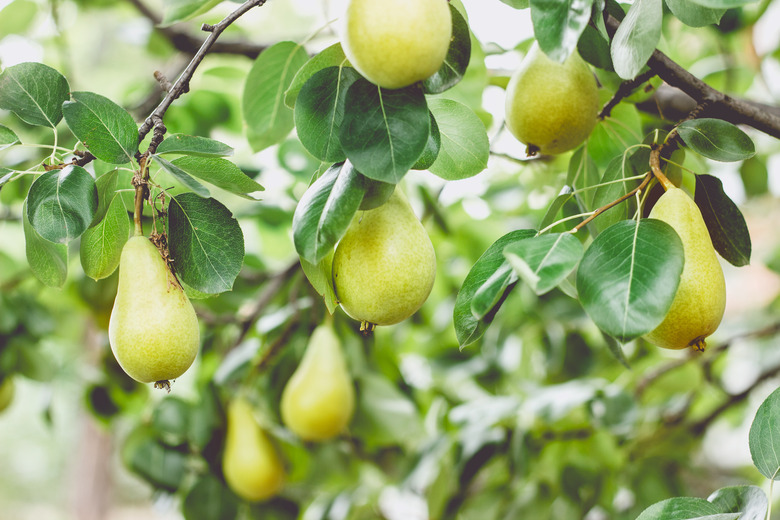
{"x": 250, "y": 463}
{"x": 153, "y": 329}
{"x": 551, "y": 107}
{"x": 319, "y": 399}
{"x": 384, "y": 267}
{"x": 698, "y": 306}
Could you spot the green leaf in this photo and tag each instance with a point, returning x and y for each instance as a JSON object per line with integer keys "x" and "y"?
{"x": 182, "y": 176}
{"x": 546, "y": 260}
{"x": 469, "y": 328}
{"x": 209, "y": 499}
{"x": 723, "y": 4}
{"x": 193, "y": 145}
{"x": 106, "y": 188}
{"x": 158, "y": 464}
{"x": 62, "y": 203}
{"x": 5, "y": 176}
{"x": 332, "y": 56}
{"x": 320, "y": 277}
{"x": 693, "y": 14}
{"x": 614, "y": 134}
{"x": 8, "y": 137}
{"x": 319, "y": 112}
{"x": 637, "y": 37}
{"x": 725, "y": 223}
{"x": 384, "y": 132}
{"x": 517, "y": 4}
{"x": 17, "y": 17}
{"x": 221, "y": 173}
{"x": 432, "y": 147}
{"x": 101, "y": 245}
{"x": 205, "y": 242}
{"x": 180, "y": 10}
{"x": 457, "y": 59}
{"x": 684, "y": 508}
{"x": 268, "y": 119}
{"x": 609, "y": 190}
{"x": 629, "y": 275}
{"x": 565, "y": 195}
{"x": 716, "y": 139}
{"x": 558, "y": 25}
{"x": 595, "y": 49}
{"x": 755, "y": 177}
{"x": 106, "y": 129}
{"x": 34, "y": 92}
{"x": 326, "y": 210}
{"x": 751, "y": 501}
{"x": 763, "y": 441}
{"x": 491, "y": 292}
{"x": 48, "y": 261}
{"x": 465, "y": 148}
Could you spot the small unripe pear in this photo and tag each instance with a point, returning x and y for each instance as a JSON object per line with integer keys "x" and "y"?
{"x": 319, "y": 399}
{"x": 700, "y": 300}
{"x": 384, "y": 267}
{"x": 551, "y": 107}
{"x": 394, "y": 44}
{"x": 250, "y": 463}
{"x": 153, "y": 329}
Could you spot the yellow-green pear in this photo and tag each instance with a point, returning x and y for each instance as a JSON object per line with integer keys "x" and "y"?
{"x": 153, "y": 329}
{"x": 394, "y": 44}
{"x": 384, "y": 267}
{"x": 250, "y": 463}
{"x": 551, "y": 107}
{"x": 319, "y": 398}
{"x": 7, "y": 391}
{"x": 700, "y": 300}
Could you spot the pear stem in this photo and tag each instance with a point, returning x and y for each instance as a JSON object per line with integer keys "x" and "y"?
{"x": 604, "y": 208}
{"x": 655, "y": 166}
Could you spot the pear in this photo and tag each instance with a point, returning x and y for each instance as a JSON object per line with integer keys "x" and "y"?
{"x": 551, "y": 107}
{"x": 250, "y": 463}
{"x": 318, "y": 401}
{"x": 384, "y": 267}
{"x": 394, "y": 44}
{"x": 153, "y": 329}
{"x": 700, "y": 300}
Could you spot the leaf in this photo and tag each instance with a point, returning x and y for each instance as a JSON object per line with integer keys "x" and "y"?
{"x": 491, "y": 292}
{"x": 464, "y": 143}
{"x": 268, "y": 119}
{"x": 384, "y": 132}
{"x": 469, "y": 328}
{"x": 62, "y": 203}
{"x": 755, "y": 177}
{"x": 637, "y": 37}
{"x": 594, "y": 48}
{"x": 629, "y": 275}
{"x": 716, "y": 139}
{"x": 319, "y": 112}
{"x": 106, "y": 189}
{"x": 105, "y": 128}
{"x": 48, "y": 261}
{"x": 457, "y": 59}
{"x": 101, "y": 245}
{"x": 751, "y": 501}
{"x": 385, "y": 416}
{"x": 193, "y": 145}
{"x": 180, "y": 10}
{"x": 684, "y": 508}
{"x": 728, "y": 231}
{"x": 209, "y": 499}
{"x": 332, "y": 56}
{"x": 182, "y": 176}
{"x": 609, "y": 190}
{"x": 432, "y": 147}
{"x": 205, "y": 242}
{"x": 8, "y": 137}
{"x": 763, "y": 441}
{"x": 221, "y": 173}
{"x": 34, "y": 92}
{"x": 326, "y": 210}
{"x": 564, "y": 196}
{"x": 723, "y": 4}
{"x": 694, "y": 14}
{"x": 320, "y": 277}
{"x": 558, "y": 25}
{"x": 546, "y": 260}
{"x": 5, "y": 176}
{"x": 517, "y": 4}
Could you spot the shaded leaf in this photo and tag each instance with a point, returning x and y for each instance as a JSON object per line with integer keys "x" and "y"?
{"x": 221, "y": 173}
{"x": 716, "y": 139}
{"x": 546, "y": 260}
{"x": 34, "y": 92}
{"x": 180, "y": 10}
{"x": 457, "y": 59}
{"x": 728, "y": 231}
{"x": 464, "y": 143}
{"x": 693, "y": 14}
{"x": 763, "y": 441}
{"x": 182, "y": 176}
{"x": 432, "y": 147}
{"x": 559, "y": 24}
{"x": 755, "y": 177}
{"x": 320, "y": 277}
{"x": 101, "y": 245}
{"x": 723, "y": 4}
{"x": 332, "y": 56}
{"x": 193, "y": 145}
{"x": 107, "y": 130}
{"x": 8, "y": 138}
{"x": 637, "y": 37}
{"x": 48, "y": 260}
{"x": 490, "y": 293}
{"x": 609, "y": 190}
{"x": 684, "y": 508}
{"x": 209, "y": 499}
{"x": 751, "y": 501}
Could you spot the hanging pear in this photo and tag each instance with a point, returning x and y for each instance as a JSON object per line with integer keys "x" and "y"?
{"x": 250, "y": 463}
{"x": 700, "y": 300}
{"x": 385, "y": 265}
{"x": 551, "y": 107}
{"x": 153, "y": 329}
{"x": 319, "y": 398}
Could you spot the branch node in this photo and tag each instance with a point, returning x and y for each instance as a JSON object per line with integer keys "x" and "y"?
{"x": 207, "y": 27}
{"x": 165, "y": 85}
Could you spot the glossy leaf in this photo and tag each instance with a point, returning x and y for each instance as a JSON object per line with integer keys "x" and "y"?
{"x": 221, "y": 173}
{"x": 464, "y": 143}
{"x": 209, "y": 499}
{"x": 763, "y": 441}
{"x": 205, "y": 242}
{"x": 181, "y": 10}
{"x": 637, "y": 37}
{"x": 267, "y": 117}
{"x": 384, "y": 132}
{"x": 629, "y": 275}
{"x": 8, "y": 138}
{"x": 559, "y": 24}
{"x": 182, "y": 176}
{"x": 685, "y": 508}
{"x": 751, "y": 501}
{"x": 546, "y": 260}
{"x": 107, "y": 130}
{"x": 725, "y": 223}
{"x": 457, "y": 59}
{"x": 101, "y": 245}
{"x": 48, "y": 260}
{"x": 693, "y": 14}
{"x": 193, "y": 145}
{"x": 62, "y": 203}
{"x": 332, "y": 56}
{"x": 716, "y": 139}
{"x": 490, "y": 293}
{"x": 34, "y": 92}
{"x": 432, "y": 147}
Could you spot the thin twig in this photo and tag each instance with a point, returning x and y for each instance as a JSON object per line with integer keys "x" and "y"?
{"x": 604, "y": 208}
{"x": 624, "y": 90}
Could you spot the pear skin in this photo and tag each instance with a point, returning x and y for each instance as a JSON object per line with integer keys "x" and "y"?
{"x": 153, "y": 329}
{"x": 385, "y": 265}
{"x": 250, "y": 463}
{"x": 551, "y": 107}
{"x": 700, "y": 301}
{"x": 395, "y": 44}
{"x": 319, "y": 399}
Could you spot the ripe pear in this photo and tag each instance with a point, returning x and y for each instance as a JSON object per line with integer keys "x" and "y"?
{"x": 250, "y": 463}
{"x": 384, "y": 267}
{"x": 698, "y": 306}
{"x": 153, "y": 329}
{"x": 319, "y": 399}
{"x": 551, "y": 107}
{"x": 394, "y": 44}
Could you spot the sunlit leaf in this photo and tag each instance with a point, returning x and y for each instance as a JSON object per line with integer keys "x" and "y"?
{"x": 544, "y": 261}
{"x": 637, "y": 37}
{"x": 558, "y": 25}
{"x": 464, "y": 143}
{"x": 34, "y": 92}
